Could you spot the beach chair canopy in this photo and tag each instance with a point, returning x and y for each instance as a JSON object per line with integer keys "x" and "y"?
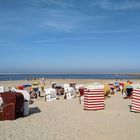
{"x": 24, "y": 92}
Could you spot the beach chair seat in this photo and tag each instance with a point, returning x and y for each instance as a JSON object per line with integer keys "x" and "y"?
{"x": 51, "y": 94}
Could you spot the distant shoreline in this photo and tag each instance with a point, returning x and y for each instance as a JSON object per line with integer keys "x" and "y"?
{"x": 137, "y": 74}
{"x": 23, "y": 76}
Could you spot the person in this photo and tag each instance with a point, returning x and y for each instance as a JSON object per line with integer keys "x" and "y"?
{"x": 42, "y": 84}
{"x": 128, "y": 82}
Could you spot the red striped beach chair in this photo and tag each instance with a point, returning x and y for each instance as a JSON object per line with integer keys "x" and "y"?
{"x": 136, "y": 101}
{"x": 94, "y": 99}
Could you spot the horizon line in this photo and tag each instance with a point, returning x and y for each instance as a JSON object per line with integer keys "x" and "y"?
{"x": 71, "y": 73}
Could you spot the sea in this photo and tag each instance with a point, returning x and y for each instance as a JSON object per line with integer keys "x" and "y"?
{"x": 27, "y": 76}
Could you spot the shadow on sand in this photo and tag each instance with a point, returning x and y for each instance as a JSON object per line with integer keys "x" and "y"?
{"x": 34, "y": 110}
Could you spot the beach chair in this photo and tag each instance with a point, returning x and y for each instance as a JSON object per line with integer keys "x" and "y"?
{"x": 27, "y": 98}
{"x": 116, "y": 86}
{"x": 20, "y": 87}
{"x": 17, "y": 99}
{"x": 2, "y": 89}
{"x": 59, "y": 89}
{"x": 112, "y": 90}
{"x": 69, "y": 92}
{"x": 7, "y": 112}
{"x": 35, "y": 92}
{"x": 27, "y": 87}
{"x": 129, "y": 91}
{"x": 51, "y": 94}
{"x": 94, "y": 99}
{"x": 135, "y": 107}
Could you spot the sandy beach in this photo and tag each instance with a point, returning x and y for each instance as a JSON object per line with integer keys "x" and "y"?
{"x": 66, "y": 120}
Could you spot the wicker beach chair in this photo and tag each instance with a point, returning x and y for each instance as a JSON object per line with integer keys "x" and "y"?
{"x": 51, "y": 94}
{"x": 7, "y": 112}
{"x": 69, "y": 92}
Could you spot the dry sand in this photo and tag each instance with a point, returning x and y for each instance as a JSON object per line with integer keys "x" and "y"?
{"x": 66, "y": 119}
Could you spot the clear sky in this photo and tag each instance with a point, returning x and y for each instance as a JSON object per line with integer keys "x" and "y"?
{"x": 69, "y": 35}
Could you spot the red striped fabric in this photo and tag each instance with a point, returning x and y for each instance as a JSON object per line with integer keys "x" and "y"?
{"x": 94, "y": 99}
{"x": 93, "y": 108}
{"x": 136, "y": 93}
{"x": 94, "y": 104}
{"x": 93, "y": 95}
{"x": 135, "y": 109}
{"x": 136, "y": 100}
{"x": 135, "y": 104}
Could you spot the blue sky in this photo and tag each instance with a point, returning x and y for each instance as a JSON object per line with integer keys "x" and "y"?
{"x": 70, "y": 36}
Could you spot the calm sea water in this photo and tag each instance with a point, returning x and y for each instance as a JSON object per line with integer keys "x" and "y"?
{"x": 6, "y": 77}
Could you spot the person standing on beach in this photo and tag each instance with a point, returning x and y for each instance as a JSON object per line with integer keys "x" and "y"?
{"x": 42, "y": 84}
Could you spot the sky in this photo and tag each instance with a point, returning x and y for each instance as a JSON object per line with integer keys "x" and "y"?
{"x": 70, "y": 36}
